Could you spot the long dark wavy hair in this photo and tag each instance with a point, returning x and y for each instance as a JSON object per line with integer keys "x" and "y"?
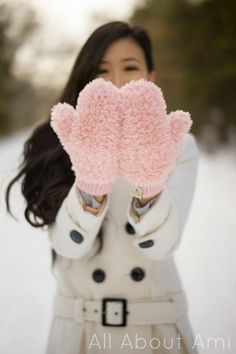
{"x": 46, "y": 168}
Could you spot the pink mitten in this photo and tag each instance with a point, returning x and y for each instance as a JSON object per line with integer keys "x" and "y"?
{"x": 150, "y": 137}
{"x": 89, "y": 134}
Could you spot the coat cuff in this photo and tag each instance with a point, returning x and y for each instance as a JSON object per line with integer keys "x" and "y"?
{"x": 75, "y": 207}
{"x": 75, "y": 229}
{"x": 153, "y": 217}
{"x": 89, "y": 199}
{"x": 139, "y": 209}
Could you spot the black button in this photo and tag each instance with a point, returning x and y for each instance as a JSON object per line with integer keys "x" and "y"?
{"x": 98, "y": 275}
{"x": 146, "y": 244}
{"x": 137, "y": 274}
{"x": 129, "y": 228}
{"x": 76, "y": 236}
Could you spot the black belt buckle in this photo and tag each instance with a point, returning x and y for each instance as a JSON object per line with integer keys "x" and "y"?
{"x": 124, "y": 311}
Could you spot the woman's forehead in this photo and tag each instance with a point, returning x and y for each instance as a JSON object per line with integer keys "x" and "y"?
{"x": 123, "y": 50}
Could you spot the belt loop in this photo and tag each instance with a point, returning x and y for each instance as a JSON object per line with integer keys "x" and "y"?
{"x": 78, "y": 311}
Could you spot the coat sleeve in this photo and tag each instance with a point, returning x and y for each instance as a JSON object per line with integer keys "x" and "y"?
{"x": 159, "y": 230}
{"x": 75, "y": 229}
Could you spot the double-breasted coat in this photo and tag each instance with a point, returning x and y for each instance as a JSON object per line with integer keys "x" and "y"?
{"x": 98, "y": 305}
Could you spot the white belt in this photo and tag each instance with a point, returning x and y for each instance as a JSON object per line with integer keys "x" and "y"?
{"x": 120, "y": 311}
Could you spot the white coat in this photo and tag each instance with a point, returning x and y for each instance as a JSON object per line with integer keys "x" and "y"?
{"x": 122, "y": 269}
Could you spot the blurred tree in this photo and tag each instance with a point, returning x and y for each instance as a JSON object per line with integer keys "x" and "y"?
{"x": 195, "y": 55}
{"x": 16, "y": 25}
{"x": 27, "y": 91}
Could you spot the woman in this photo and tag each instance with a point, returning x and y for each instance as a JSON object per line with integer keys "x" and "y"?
{"x": 111, "y": 296}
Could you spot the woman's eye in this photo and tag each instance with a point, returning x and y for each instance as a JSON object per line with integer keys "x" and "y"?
{"x": 130, "y": 68}
{"x": 101, "y": 71}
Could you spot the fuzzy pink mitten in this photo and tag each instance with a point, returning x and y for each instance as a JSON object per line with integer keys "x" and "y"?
{"x": 150, "y": 137}
{"x": 89, "y": 134}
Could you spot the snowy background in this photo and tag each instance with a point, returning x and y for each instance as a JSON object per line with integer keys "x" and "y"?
{"x": 206, "y": 260}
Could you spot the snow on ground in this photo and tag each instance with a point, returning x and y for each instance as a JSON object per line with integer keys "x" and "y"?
{"x": 206, "y": 261}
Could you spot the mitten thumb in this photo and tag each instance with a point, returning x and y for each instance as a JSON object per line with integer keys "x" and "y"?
{"x": 62, "y": 117}
{"x": 180, "y": 123}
